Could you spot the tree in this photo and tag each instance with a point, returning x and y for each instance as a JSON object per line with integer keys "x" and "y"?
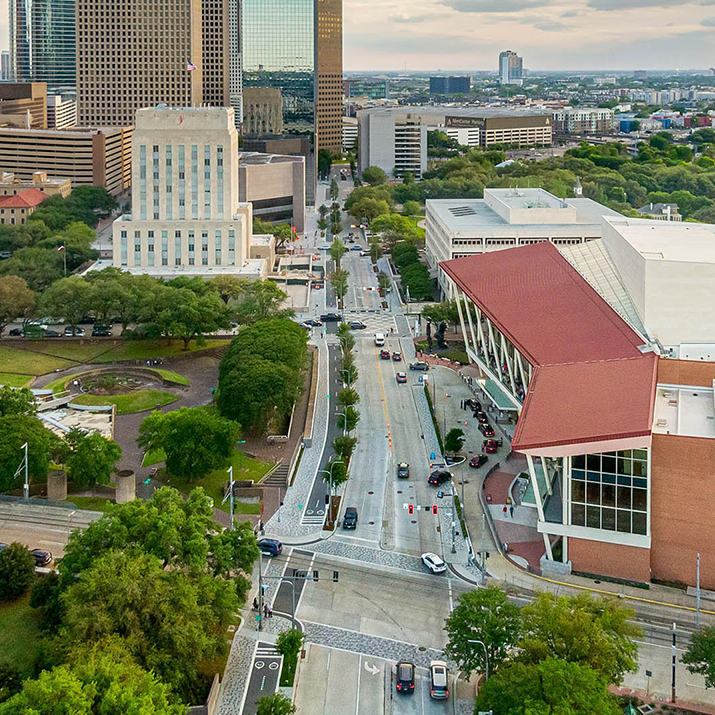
{"x": 593, "y": 632}
{"x": 195, "y": 440}
{"x": 550, "y": 687}
{"x": 15, "y": 430}
{"x": 17, "y": 401}
{"x": 275, "y": 704}
{"x": 337, "y": 251}
{"x": 350, "y": 419}
{"x": 344, "y": 446}
{"x": 228, "y": 287}
{"x": 454, "y": 440}
{"x": 10, "y": 680}
{"x": 99, "y": 678}
{"x": 700, "y": 654}
{"x": 17, "y": 571}
{"x": 16, "y": 300}
{"x": 339, "y": 281}
{"x": 374, "y": 175}
{"x": 260, "y": 300}
{"x": 92, "y": 458}
{"x": 485, "y": 615}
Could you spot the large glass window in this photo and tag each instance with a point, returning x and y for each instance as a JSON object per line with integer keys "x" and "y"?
{"x": 609, "y": 491}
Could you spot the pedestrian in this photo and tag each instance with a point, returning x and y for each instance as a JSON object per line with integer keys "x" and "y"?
{"x": 255, "y": 604}
{"x": 505, "y": 511}
{"x": 511, "y": 511}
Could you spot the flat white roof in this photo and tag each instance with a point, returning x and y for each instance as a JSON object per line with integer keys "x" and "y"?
{"x": 685, "y": 410}
{"x": 668, "y": 240}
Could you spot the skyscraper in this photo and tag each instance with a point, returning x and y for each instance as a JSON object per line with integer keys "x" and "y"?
{"x": 128, "y": 59}
{"x": 511, "y": 68}
{"x": 296, "y": 46}
{"x": 42, "y": 42}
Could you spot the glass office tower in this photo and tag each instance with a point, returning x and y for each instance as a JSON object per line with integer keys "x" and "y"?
{"x": 42, "y": 42}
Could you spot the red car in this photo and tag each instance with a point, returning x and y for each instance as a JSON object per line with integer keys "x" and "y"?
{"x": 385, "y": 355}
{"x": 490, "y": 446}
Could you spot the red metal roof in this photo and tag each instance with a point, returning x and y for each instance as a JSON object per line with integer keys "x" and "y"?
{"x": 25, "y": 199}
{"x": 591, "y": 382}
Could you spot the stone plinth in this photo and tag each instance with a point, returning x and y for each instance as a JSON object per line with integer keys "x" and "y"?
{"x": 126, "y": 486}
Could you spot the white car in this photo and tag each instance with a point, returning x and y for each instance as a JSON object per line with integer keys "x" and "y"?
{"x": 434, "y": 563}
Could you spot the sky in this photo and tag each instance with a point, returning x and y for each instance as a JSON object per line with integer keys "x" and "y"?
{"x": 549, "y": 34}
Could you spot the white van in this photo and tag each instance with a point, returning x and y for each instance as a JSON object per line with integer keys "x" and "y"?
{"x": 379, "y": 339}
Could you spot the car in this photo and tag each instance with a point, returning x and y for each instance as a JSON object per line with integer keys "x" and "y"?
{"x": 312, "y": 323}
{"x": 403, "y": 470}
{"x": 478, "y": 460}
{"x": 331, "y": 318}
{"x": 15, "y": 332}
{"x": 434, "y": 563}
{"x": 486, "y": 429}
{"x": 357, "y": 324}
{"x": 101, "y": 332}
{"x": 438, "y": 680}
{"x": 49, "y": 333}
{"x": 439, "y": 476}
{"x": 42, "y": 557}
{"x": 356, "y": 247}
{"x": 490, "y": 446}
{"x": 350, "y": 518}
{"x": 419, "y": 366}
{"x": 405, "y": 677}
{"x": 397, "y": 357}
{"x": 75, "y": 332}
{"x": 401, "y": 377}
{"x": 270, "y": 547}
{"x": 385, "y": 355}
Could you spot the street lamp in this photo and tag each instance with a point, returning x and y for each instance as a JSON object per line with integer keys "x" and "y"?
{"x": 486, "y": 658}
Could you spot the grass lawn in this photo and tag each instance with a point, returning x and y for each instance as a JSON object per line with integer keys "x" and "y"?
{"x": 10, "y": 379}
{"x": 213, "y": 482}
{"x": 27, "y": 363}
{"x": 91, "y": 503}
{"x": 171, "y": 375}
{"x": 153, "y": 456}
{"x": 131, "y": 401}
{"x": 19, "y": 634}
{"x": 146, "y": 349}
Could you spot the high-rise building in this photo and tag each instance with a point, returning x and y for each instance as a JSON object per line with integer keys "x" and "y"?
{"x": 5, "y": 65}
{"x": 42, "y": 42}
{"x": 144, "y": 60}
{"x": 215, "y": 66}
{"x": 511, "y": 68}
{"x": 296, "y": 47}
{"x": 450, "y": 85}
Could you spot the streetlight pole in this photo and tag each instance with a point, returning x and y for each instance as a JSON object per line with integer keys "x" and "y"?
{"x": 486, "y": 657}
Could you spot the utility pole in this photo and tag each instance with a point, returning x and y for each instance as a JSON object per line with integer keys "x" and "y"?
{"x": 674, "y": 660}
{"x": 697, "y": 595}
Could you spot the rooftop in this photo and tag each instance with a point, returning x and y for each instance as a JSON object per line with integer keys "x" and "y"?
{"x": 666, "y": 240}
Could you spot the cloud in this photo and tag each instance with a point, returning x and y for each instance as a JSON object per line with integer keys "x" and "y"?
{"x": 501, "y": 6}
{"x": 414, "y": 19}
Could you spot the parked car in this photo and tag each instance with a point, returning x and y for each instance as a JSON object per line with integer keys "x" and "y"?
{"x": 405, "y": 677}
{"x": 357, "y": 324}
{"x": 478, "y": 460}
{"x": 439, "y": 476}
{"x": 42, "y": 557}
{"x": 403, "y": 470}
{"x": 419, "y": 366}
{"x": 270, "y": 547}
{"x": 486, "y": 429}
{"x": 385, "y": 355}
{"x": 434, "y": 563}
{"x": 397, "y": 357}
{"x": 401, "y": 377}
{"x": 490, "y": 446}
{"x": 350, "y": 518}
{"x": 331, "y": 317}
{"x": 438, "y": 680}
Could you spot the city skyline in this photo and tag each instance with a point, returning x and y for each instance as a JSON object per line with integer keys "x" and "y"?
{"x": 552, "y": 35}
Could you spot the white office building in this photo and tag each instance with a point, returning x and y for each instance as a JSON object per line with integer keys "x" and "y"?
{"x": 506, "y": 218}
{"x": 186, "y": 217}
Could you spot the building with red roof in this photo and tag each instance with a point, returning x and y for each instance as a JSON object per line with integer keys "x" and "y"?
{"x": 16, "y": 208}
{"x": 599, "y": 414}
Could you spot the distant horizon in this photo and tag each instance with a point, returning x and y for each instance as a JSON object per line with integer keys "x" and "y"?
{"x": 569, "y": 36}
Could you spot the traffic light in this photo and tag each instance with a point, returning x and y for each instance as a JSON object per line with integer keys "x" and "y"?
{"x": 434, "y": 509}
{"x": 410, "y": 509}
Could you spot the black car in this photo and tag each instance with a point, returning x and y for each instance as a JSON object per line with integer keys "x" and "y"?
{"x": 486, "y": 429}
{"x": 403, "y": 470}
{"x": 101, "y": 332}
{"x": 478, "y": 460}
{"x": 419, "y": 366}
{"x": 439, "y": 476}
{"x": 331, "y": 318}
{"x": 42, "y": 557}
{"x": 405, "y": 677}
